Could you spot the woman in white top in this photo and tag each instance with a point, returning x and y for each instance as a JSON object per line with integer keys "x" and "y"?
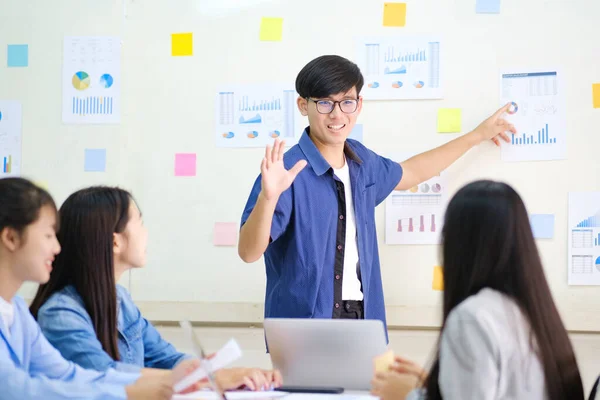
{"x": 502, "y": 336}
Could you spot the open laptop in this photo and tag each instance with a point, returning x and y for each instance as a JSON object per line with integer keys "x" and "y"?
{"x": 325, "y": 352}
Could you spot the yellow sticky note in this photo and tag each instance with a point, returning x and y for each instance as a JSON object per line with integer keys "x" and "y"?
{"x": 596, "y": 94}
{"x": 394, "y": 14}
{"x": 384, "y": 361}
{"x": 271, "y": 29}
{"x": 438, "y": 278}
{"x": 449, "y": 120}
{"x": 41, "y": 184}
{"x": 182, "y": 44}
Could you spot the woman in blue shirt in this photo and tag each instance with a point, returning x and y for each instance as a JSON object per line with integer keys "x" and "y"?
{"x": 30, "y": 368}
{"x": 91, "y": 320}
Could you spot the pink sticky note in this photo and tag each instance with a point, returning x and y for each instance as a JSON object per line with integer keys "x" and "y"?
{"x": 185, "y": 164}
{"x": 225, "y": 234}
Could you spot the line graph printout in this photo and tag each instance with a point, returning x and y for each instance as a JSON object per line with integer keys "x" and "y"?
{"x": 400, "y": 67}
{"x": 256, "y": 115}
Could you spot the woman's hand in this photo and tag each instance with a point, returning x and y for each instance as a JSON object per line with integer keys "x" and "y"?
{"x": 253, "y": 378}
{"x": 392, "y": 385}
{"x": 405, "y": 366}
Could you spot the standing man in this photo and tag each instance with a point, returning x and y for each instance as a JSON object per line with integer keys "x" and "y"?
{"x": 311, "y": 211}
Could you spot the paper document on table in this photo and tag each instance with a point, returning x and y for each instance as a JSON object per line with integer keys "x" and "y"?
{"x": 228, "y": 354}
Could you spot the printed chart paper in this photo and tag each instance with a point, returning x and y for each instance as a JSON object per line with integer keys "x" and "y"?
{"x": 415, "y": 216}
{"x": 10, "y": 138}
{"x": 584, "y": 238}
{"x": 538, "y": 114}
{"x": 255, "y": 115}
{"x": 400, "y": 67}
{"x": 91, "y": 80}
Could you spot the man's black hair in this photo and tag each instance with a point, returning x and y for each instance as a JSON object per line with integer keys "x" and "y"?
{"x": 328, "y": 75}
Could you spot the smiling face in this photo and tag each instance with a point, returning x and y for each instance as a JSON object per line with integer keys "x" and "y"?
{"x": 33, "y": 250}
{"x": 331, "y": 129}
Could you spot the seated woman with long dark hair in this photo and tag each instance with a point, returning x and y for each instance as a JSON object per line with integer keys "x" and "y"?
{"x": 93, "y": 321}
{"x": 501, "y": 336}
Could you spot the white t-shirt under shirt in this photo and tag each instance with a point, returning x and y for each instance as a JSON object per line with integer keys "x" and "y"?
{"x": 7, "y": 313}
{"x": 351, "y": 288}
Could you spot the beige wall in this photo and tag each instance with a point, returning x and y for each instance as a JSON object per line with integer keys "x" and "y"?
{"x": 413, "y": 344}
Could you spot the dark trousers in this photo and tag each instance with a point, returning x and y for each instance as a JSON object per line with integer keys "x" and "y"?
{"x": 352, "y": 309}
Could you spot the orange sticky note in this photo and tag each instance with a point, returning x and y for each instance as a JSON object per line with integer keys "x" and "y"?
{"x": 384, "y": 361}
{"x": 271, "y": 29}
{"x": 596, "y": 94}
{"x": 182, "y": 44}
{"x": 225, "y": 234}
{"x": 394, "y": 14}
{"x": 438, "y": 278}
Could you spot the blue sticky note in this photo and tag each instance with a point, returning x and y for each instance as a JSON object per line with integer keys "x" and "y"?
{"x": 18, "y": 55}
{"x": 95, "y": 160}
{"x": 542, "y": 225}
{"x": 487, "y": 7}
{"x": 357, "y": 133}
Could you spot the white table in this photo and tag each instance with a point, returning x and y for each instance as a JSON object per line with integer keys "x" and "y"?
{"x": 269, "y": 395}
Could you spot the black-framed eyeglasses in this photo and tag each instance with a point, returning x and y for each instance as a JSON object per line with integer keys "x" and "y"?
{"x": 348, "y": 106}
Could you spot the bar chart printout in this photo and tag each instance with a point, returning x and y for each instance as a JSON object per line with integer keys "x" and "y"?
{"x": 400, "y": 67}
{"x": 584, "y": 238}
{"x": 91, "y": 80}
{"x": 10, "y": 138}
{"x": 256, "y": 115}
{"x": 415, "y": 216}
{"x": 537, "y": 112}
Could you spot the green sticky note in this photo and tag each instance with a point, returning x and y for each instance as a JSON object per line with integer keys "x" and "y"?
{"x": 271, "y": 29}
{"x": 449, "y": 120}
